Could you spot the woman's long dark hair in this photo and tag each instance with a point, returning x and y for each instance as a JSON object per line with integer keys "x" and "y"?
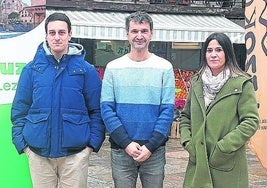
{"x": 227, "y": 46}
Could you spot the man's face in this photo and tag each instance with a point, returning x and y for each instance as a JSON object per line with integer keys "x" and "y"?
{"x": 58, "y": 37}
{"x": 139, "y": 35}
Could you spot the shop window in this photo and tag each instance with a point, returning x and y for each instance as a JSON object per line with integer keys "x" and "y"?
{"x": 158, "y": 48}
{"x": 186, "y": 59}
{"x": 88, "y": 46}
{"x": 240, "y": 53}
{"x": 106, "y": 51}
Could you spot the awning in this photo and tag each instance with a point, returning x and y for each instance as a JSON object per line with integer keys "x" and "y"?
{"x": 167, "y": 27}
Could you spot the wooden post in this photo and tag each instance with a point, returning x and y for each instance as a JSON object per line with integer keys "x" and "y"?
{"x": 175, "y": 130}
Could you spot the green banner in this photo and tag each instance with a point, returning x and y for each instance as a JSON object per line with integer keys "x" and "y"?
{"x": 14, "y": 167}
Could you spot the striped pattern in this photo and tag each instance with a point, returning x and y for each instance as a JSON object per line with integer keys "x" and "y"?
{"x": 168, "y": 28}
{"x": 141, "y": 94}
{"x": 139, "y": 83}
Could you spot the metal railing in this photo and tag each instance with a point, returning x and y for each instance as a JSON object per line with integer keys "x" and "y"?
{"x": 219, "y": 3}
{"x": 193, "y": 3}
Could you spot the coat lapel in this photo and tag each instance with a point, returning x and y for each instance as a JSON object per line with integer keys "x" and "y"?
{"x": 198, "y": 91}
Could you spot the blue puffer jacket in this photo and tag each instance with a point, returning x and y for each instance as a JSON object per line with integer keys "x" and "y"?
{"x": 56, "y": 109}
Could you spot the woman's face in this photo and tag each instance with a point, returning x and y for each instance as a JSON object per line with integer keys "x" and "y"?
{"x": 215, "y": 57}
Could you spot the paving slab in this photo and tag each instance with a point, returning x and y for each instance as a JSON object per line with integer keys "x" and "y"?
{"x": 99, "y": 173}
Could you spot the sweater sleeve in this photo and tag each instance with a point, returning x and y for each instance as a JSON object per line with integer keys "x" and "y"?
{"x": 108, "y": 106}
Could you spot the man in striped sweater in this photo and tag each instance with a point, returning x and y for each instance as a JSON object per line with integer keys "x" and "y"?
{"x": 137, "y": 102}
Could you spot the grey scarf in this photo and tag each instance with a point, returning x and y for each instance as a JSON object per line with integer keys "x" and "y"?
{"x": 213, "y": 84}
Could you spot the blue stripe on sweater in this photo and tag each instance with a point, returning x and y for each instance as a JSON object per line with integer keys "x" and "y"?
{"x": 139, "y": 95}
{"x": 143, "y": 77}
{"x": 139, "y": 120}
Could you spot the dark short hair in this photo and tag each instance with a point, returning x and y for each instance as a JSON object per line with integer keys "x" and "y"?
{"x": 57, "y": 16}
{"x": 140, "y": 17}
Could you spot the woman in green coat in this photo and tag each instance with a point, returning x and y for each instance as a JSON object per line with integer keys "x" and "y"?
{"x": 218, "y": 119}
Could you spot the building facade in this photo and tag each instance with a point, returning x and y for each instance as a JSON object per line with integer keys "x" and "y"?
{"x": 18, "y": 16}
{"x": 180, "y": 28}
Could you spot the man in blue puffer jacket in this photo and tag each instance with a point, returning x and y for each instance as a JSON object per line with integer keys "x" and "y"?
{"x": 56, "y": 110}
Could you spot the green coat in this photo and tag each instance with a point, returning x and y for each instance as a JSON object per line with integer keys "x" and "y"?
{"x": 216, "y": 137}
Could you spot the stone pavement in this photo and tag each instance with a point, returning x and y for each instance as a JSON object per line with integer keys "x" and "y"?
{"x": 99, "y": 174}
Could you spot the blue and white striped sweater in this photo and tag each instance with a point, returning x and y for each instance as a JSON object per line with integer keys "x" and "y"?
{"x": 137, "y": 99}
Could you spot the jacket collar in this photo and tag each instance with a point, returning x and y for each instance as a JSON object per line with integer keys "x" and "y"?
{"x": 198, "y": 91}
{"x": 234, "y": 85}
{"x": 43, "y": 58}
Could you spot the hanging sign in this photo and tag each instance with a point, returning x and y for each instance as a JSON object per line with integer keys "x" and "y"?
{"x": 256, "y": 64}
